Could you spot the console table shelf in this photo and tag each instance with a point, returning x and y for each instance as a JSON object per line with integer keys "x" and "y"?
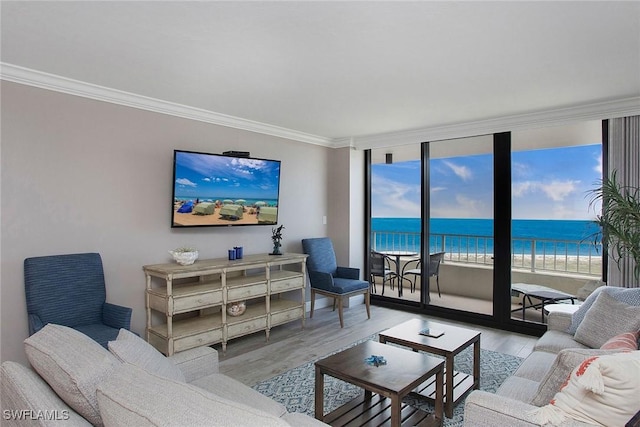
{"x": 197, "y": 295}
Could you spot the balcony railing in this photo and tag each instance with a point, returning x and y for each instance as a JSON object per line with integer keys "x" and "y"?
{"x": 567, "y": 256}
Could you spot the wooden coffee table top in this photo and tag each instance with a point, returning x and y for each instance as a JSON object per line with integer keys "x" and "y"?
{"x": 453, "y": 340}
{"x": 403, "y": 371}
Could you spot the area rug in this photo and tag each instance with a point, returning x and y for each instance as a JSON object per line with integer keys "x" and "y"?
{"x": 295, "y": 388}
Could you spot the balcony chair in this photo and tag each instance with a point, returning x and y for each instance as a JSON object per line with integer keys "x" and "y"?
{"x": 327, "y": 279}
{"x": 416, "y": 271}
{"x": 381, "y": 267}
{"x": 69, "y": 290}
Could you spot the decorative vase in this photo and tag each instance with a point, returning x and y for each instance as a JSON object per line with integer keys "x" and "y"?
{"x": 276, "y": 249}
{"x": 184, "y": 257}
{"x": 235, "y": 309}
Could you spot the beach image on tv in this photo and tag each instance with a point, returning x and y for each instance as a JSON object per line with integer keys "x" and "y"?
{"x": 212, "y": 189}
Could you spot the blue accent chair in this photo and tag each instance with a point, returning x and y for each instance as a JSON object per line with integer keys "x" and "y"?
{"x": 69, "y": 290}
{"x": 327, "y": 279}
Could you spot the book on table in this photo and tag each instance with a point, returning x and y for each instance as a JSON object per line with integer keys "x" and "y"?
{"x": 433, "y": 333}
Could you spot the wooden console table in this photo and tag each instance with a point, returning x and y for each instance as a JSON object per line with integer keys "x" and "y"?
{"x": 188, "y": 302}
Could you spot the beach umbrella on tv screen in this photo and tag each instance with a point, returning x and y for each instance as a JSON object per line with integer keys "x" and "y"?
{"x": 227, "y": 201}
{"x": 241, "y": 202}
{"x": 261, "y": 203}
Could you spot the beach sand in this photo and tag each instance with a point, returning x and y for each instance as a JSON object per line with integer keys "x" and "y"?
{"x": 190, "y": 219}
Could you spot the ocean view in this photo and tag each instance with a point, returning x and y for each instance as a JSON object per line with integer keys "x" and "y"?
{"x": 549, "y": 235}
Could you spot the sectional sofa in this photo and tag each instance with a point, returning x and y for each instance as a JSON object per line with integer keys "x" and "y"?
{"x": 555, "y": 384}
{"x": 74, "y": 381}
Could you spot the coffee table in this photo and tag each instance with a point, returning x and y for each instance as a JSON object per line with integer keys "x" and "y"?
{"x": 403, "y": 372}
{"x": 454, "y": 340}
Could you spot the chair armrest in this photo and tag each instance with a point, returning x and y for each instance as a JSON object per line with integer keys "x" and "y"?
{"x": 35, "y": 324}
{"x": 348, "y": 273}
{"x": 116, "y": 316}
{"x": 411, "y": 265}
{"x": 558, "y": 321}
{"x": 196, "y": 362}
{"x": 321, "y": 280}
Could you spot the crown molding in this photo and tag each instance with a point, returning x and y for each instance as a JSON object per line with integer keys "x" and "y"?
{"x": 548, "y": 118}
{"x": 29, "y": 77}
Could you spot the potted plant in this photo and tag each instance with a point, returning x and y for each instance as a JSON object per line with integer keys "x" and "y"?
{"x": 619, "y": 220}
{"x": 276, "y": 237}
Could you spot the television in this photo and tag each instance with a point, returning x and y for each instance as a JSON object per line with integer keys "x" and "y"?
{"x": 224, "y": 190}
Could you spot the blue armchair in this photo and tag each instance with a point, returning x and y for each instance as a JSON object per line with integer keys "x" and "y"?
{"x": 326, "y": 278}
{"x": 69, "y": 290}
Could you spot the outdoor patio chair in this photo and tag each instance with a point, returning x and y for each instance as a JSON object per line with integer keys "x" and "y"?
{"x": 381, "y": 267}
{"x": 327, "y": 279}
{"x": 414, "y": 268}
{"x": 69, "y": 290}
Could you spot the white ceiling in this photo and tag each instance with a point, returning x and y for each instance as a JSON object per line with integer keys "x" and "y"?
{"x": 332, "y": 70}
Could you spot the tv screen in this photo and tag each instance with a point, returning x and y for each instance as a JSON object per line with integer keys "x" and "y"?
{"x": 220, "y": 190}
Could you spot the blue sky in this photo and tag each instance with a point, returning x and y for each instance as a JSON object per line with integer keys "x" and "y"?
{"x": 547, "y": 184}
{"x": 219, "y": 177}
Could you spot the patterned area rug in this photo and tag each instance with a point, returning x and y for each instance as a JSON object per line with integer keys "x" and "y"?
{"x": 295, "y": 388}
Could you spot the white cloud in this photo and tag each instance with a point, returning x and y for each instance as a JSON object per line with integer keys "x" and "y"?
{"x": 206, "y": 179}
{"x": 598, "y": 166}
{"x": 559, "y": 190}
{"x": 185, "y": 181}
{"x": 554, "y": 190}
{"x": 394, "y": 199}
{"x": 462, "y": 172}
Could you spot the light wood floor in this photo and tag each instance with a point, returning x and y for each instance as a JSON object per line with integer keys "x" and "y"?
{"x": 251, "y": 359}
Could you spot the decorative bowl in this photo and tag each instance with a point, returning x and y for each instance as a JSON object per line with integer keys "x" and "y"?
{"x": 236, "y": 308}
{"x": 183, "y": 257}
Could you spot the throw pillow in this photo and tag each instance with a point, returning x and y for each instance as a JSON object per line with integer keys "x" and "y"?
{"x": 627, "y": 341}
{"x": 607, "y": 318}
{"x": 135, "y": 397}
{"x": 73, "y": 365}
{"x": 566, "y": 360}
{"x": 130, "y": 348}
{"x": 601, "y": 390}
{"x": 630, "y": 296}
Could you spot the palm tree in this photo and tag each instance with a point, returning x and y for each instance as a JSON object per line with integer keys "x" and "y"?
{"x": 619, "y": 220}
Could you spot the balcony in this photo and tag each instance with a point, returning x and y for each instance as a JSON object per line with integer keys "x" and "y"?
{"x": 466, "y": 274}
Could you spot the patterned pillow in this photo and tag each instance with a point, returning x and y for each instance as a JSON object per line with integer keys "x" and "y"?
{"x": 630, "y": 296}
{"x": 73, "y": 365}
{"x": 607, "y": 318}
{"x": 130, "y": 348}
{"x": 627, "y": 341}
{"x": 601, "y": 390}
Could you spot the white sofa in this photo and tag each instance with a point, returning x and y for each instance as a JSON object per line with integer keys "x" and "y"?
{"x": 568, "y": 342}
{"x": 74, "y": 381}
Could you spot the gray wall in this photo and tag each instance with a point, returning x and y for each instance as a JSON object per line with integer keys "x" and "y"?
{"x": 80, "y": 175}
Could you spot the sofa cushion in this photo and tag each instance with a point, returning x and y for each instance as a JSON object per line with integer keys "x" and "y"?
{"x": 229, "y": 388}
{"x": 558, "y": 371}
{"x": 24, "y": 390}
{"x": 518, "y": 388}
{"x": 601, "y": 390}
{"x": 630, "y": 296}
{"x": 554, "y": 341}
{"x": 130, "y": 348}
{"x": 72, "y": 364}
{"x": 607, "y": 318}
{"x": 627, "y": 341}
{"x": 536, "y": 365}
{"x": 135, "y": 397}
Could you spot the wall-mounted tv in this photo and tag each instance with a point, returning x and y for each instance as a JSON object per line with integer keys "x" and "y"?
{"x": 223, "y": 190}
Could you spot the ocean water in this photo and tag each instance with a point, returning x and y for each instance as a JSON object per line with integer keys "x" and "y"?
{"x": 475, "y": 235}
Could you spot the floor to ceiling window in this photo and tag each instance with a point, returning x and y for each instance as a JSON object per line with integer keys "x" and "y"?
{"x": 507, "y": 214}
{"x": 553, "y": 251}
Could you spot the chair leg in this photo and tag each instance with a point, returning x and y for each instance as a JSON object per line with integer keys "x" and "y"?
{"x": 438, "y": 283}
{"x": 313, "y": 302}
{"x": 372, "y": 279}
{"x": 340, "y": 311}
{"x": 334, "y": 304}
{"x": 367, "y": 302}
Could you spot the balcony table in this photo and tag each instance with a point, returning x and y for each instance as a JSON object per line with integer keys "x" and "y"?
{"x": 397, "y": 255}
